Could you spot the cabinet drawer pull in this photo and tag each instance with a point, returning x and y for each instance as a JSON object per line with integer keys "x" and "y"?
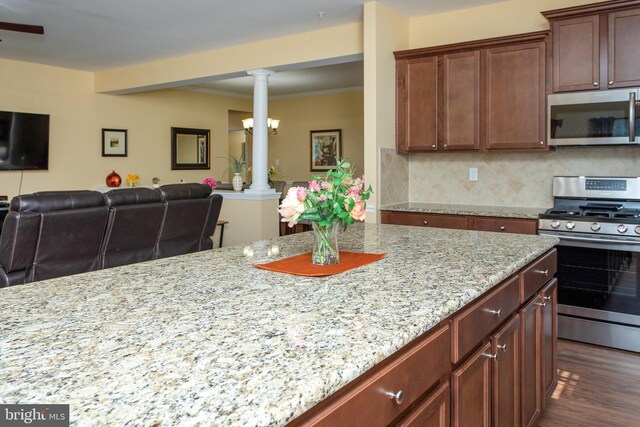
{"x": 541, "y": 304}
{"x": 397, "y": 397}
{"x": 497, "y": 312}
{"x": 425, "y": 222}
{"x": 502, "y": 347}
{"x": 547, "y": 298}
{"x": 502, "y": 228}
{"x": 545, "y": 272}
{"x": 491, "y": 356}
{"x": 610, "y": 82}
{"x": 595, "y": 84}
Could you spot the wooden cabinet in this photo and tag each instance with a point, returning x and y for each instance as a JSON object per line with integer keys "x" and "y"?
{"x": 595, "y": 46}
{"x": 490, "y": 96}
{"x": 505, "y": 225}
{"x": 459, "y": 124}
{"x": 433, "y": 412}
{"x": 437, "y": 103}
{"x": 505, "y": 345}
{"x": 531, "y": 362}
{"x": 538, "y": 336}
{"x": 623, "y": 62}
{"x": 461, "y": 222}
{"x": 471, "y": 391}
{"x": 417, "y": 104}
{"x": 515, "y": 97}
{"x": 477, "y": 321}
{"x": 424, "y": 219}
{"x": 576, "y": 41}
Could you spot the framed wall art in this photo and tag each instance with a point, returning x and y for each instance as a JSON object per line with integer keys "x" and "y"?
{"x": 326, "y": 147}
{"x": 114, "y": 143}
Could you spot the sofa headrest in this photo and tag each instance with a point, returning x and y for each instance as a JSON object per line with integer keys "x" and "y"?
{"x": 184, "y": 191}
{"x": 133, "y": 196}
{"x": 57, "y": 201}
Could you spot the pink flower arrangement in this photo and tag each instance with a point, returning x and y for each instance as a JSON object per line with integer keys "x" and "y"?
{"x": 334, "y": 198}
{"x": 210, "y": 182}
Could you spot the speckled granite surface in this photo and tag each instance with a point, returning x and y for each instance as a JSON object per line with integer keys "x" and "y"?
{"x": 455, "y": 209}
{"x": 207, "y": 339}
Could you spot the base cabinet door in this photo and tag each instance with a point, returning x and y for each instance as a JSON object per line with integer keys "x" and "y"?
{"x": 505, "y": 345}
{"x": 531, "y": 361}
{"x": 550, "y": 337}
{"x": 471, "y": 393}
{"x": 433, "y": 412}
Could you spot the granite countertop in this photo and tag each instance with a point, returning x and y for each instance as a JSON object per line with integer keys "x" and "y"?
{"x": 208, "y": 339}
{"x": 456, "y": 209}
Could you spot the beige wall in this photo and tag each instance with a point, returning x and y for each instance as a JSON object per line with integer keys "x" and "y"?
{"x": 493, "y": 20}
{"x": 78, "y": 114}
{"x": 299, "y": 116}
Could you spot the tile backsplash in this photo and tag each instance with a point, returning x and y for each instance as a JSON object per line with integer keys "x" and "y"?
{"x": 394, "y": 177}
{"x": 511, "y": 179}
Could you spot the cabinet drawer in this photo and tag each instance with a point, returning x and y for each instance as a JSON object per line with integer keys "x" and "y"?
{"x": 429, "y": 220}
{"x": 433, "y": 412}
{"x": 537, "y": 275}
{"x": 412, "y": 372}
{"x": 505, "y": 225}
{"x": 477, "y": 321}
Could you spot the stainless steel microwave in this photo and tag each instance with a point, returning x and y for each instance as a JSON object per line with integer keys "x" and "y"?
{"x": 607, "y": 117}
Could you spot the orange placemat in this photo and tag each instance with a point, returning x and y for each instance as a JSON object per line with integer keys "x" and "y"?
{"x": 302, "y": 266}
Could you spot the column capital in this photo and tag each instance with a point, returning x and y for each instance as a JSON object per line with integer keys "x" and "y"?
{"x": 260, "y": 72}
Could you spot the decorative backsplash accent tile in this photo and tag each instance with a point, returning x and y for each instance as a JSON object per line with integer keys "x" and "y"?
{"x": 510, "y": 179}
{"x": 394, "y": 177}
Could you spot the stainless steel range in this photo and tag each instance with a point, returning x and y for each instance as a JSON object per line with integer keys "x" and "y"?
{"x": 597, "y": 220}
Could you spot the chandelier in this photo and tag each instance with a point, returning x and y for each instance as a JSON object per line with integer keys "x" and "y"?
{"x": 272, "y": 126}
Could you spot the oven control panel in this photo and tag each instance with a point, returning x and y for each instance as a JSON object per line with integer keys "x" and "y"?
{"x": 606, "y": 184}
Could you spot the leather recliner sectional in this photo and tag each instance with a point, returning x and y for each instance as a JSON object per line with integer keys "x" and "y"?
{"x": 58, "y": 233}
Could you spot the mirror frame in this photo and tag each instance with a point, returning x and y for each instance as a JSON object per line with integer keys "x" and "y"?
{"x": 174, "y": 147}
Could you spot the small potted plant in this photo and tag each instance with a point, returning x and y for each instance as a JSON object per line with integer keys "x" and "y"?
{"x": 236, "y": 167}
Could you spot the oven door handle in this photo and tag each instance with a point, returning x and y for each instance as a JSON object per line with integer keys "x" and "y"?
{"x": 591, "y": 240}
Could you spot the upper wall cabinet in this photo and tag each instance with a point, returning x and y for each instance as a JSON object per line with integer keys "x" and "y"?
{"x": 485, "y": 95}
{"x": 595, "y": 47}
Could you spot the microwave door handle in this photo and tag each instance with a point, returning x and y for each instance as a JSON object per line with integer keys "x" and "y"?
{"x": 632, "y": 116}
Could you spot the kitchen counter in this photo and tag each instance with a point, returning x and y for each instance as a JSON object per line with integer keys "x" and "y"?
{"x": 208, "y": 338}
{"x": 456, "y": 209}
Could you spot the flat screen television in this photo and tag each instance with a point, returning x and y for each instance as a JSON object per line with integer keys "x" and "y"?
{"x": 24, "y": 141}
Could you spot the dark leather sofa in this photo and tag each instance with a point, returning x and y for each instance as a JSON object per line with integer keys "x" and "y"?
{"x": 58, "y": 233}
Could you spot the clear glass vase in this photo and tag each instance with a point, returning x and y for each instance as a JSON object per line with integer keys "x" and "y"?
{"x": 325, "y": 244}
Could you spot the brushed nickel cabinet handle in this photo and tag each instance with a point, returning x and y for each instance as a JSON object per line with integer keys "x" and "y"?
{"x": 541, "y": 304}
{"x": 595, "y": 84}
{"x": 547, "y": 298}
{"x": 541, "y": 142}
{"x": 425, "y": 222}
{"x": 397, "y": 397}
{"x": 545, "y": 272}
{"x": 502, "y": 347}
{"x": 498, "y": 312}
{"x": 610, "y": 82}
{"x": 502, "y": 228}
{"x": 491, "y": 356}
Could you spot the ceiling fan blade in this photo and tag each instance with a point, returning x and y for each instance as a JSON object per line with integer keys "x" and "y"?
{"x": 22, "y": 28}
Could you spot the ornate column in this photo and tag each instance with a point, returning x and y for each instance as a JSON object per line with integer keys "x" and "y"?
{"x": 260, "y": 158}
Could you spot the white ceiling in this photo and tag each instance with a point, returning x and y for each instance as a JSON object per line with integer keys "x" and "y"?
{"x": 94, "y": 35}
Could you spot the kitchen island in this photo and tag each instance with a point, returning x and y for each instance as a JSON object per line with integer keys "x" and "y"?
{"x": 208, "y": 338}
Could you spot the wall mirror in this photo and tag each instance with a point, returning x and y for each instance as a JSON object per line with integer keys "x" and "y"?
{"x": 189, "y": 148}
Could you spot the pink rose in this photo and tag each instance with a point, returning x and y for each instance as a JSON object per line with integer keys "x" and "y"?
{"x": 291, "y": 207}
{"x": 359, "y": 211}
{"x": 301, "y": 193}
{"x": 314, "y": 186}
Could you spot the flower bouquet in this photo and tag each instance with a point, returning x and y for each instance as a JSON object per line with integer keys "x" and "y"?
{"x": 132, "y": 179}
{"x": 210, "y": 182}
{"x": 328, "y": 202}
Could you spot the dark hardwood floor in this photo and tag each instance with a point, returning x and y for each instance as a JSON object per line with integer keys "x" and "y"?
{"x": 597, "y": 387}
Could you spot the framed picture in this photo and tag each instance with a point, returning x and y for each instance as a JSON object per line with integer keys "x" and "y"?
{"x": 326, "y": 146}
{"x": 114, "y": 143}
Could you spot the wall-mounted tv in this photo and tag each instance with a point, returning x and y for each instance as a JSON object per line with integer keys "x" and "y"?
{"x": 24, "y": 141}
